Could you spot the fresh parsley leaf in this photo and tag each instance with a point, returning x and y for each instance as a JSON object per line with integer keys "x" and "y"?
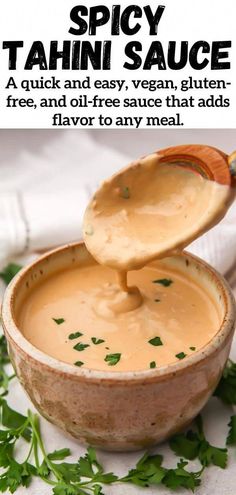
{"x": 79, "y": 363}
{"x": 156, "y": 341}
{"x": 166, "y": 282}
{"x": 153, "y": 364}
{"x": 212, "y": 455}
{"x": 75, "y": 335}
{"x": 16, "y": 475}
{"x": 231, "y": 438}
{"x": 181, "y": 478}
{"x": 125, "y": 192}
{"x": 226, "y": 389}
{"x": 4, "y": 358}
{"x": 185, "y": 445}
{"x": 181, "y": 355}
{"x": 65, "y": 489}
{"x": 80, "y": 347}
{"x": 14, "y": 420}
{"x": 9, "y": 272}
{"x": 150, "y": 472}
{"x": 58, "y": 321}
{"x": 112, "y": 359}
{"x": 59, "y": 455}
{"x": 68, "y": 471}
{"x": 194, "y": 445}
{"x": 97, "y": 341}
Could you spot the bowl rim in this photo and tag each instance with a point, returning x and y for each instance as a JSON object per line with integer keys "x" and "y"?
{"x": 12, "y": 332}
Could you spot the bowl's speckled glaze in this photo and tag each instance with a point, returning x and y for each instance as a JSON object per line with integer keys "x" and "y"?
{"x": 117, "y": 410}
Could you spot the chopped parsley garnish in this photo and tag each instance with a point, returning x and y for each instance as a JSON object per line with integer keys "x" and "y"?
{"x": 80, "y": 347}
{"x": 97, "y": 341}
{"x": 112, "y": 359}
{"x": 166, "y": 282}
{"x": 153, "y": 364}
{"x": 79, "y": 363}
{"x": 125, "y": 192}
{"x": 192, "y": 348}
{"x": 75, "y": 335}
{"x": 150, "y": 472}
{"x": 155, "y": 341}
{"x": 9, "y": 272}
{"x": 58, "y": 321}
{"x": 181, "y": 355}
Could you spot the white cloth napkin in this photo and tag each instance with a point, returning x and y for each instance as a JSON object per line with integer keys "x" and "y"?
{"x": 42, "y": 202}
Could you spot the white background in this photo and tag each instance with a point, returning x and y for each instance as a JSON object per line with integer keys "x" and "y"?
{"x": 182, "y": 20}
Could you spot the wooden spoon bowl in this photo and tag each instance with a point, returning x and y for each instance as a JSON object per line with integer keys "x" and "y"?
{"x": 206, "y": 160}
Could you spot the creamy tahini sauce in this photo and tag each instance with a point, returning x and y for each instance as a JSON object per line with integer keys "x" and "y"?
{"x": 97, "y": 318}
{"x": 181, "y": 315}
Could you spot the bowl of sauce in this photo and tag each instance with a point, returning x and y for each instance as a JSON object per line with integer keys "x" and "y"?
{"x": 121, "y": 341}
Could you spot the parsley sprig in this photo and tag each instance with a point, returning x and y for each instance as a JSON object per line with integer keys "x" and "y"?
{"x": 150, "y": 472}
{"x": 9, "y": 272}
{"x": 194, "y": 444}
{"x": 226, "y": 390}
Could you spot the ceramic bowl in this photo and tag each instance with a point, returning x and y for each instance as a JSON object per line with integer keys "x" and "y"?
{"x": 117, "y": 411}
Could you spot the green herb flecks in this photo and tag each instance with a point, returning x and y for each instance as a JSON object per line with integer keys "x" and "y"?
{"x": 112, "y": 359}
{"x": 152, "y": 364}
{"x": 194, "y": 445}
{"x": 192, "y": 348}
{"x": 125, "y": 192}
{"x": 80, "y": 347}
{"x": 9, "y": 272}
{"x": 181, "y": 355}
{"x": 166, "y": 282}
{"x": 79, "y": 363}
{"x": 96, "y": 341}
{"x": 75, "y": 335}
{"x": 156, "y": 341}
{"x": 58, "y": 321}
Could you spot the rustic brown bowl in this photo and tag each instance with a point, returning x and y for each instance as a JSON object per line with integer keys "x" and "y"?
{"x": 119, "y": 411}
